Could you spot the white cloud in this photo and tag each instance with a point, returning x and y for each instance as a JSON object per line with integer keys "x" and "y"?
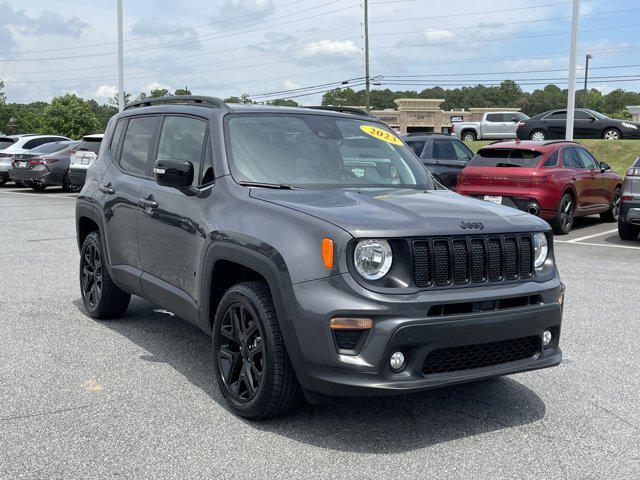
{"x": 175, "y": 34}
{"x": 155, "y": 86}
{"x": 325, "y": 47}
{"x": 106, "y": 91}
{"x": 527, "y": 64}
{"x": 290, "y": 84}
{"x": 434, "y": 35}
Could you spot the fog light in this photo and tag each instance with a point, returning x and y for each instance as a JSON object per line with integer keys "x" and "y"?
{"x": 546, "y": 338}
{"x": 397, "y": 361}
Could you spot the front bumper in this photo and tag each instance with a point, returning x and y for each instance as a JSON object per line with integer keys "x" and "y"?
{"x": 401, "y": 322}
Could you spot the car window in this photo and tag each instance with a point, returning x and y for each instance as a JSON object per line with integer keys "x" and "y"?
{"x": 443, "y": 150}
{"x": 560, "y": 115}
{"x": 138, "y": 143}
{"x": 6, "y": 142}
{"x": 587, "y": 159}
{"x": 417, "y": 146}
{"x": 90, "y": 146}
{"x": 570, "y": 158}
{"x": 582, "y": 115}
{"x": 182, "y": 138}
{"x": 115, "y": 138}
{"x": 494, "y": 117}
{"x": 50, "y": 147}
{"x": 36, "y": 142}
{"x": 461, "y": 151}
{"x": 552, "y": 161}
{"x": 505, "y": 157}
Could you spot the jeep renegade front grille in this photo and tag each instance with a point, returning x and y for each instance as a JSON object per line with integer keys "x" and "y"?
{"x": 481, "y": 355}
{"x": 467, "y": 260}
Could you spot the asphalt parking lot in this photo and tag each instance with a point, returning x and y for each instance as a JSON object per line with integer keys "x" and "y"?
{"x": 135, "y": 398}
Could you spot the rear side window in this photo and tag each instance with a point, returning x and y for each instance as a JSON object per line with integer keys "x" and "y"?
{"x": 442, "y": 150}
{"x": 506, "y": 157}
{"x": 570, "y": 158}
{"x": 115, "y": 138}
{"x": 90, "y": 146}
{"x": 50, "y": 148}
{"x": 182, "y": 138}
{"x": 561, "y": 115}
{"x": 417, "y": 146}
{"x": 36, "y": 142}
{"x": 552, "y": 161}
{"x": 138, "y": 143}
{"x": 6, "y": 142}
{"x": 461, "y": 150}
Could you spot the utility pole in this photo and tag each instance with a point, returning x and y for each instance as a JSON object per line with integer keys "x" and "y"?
{"x": 120, "y": 60}
{"x": 586, "y": 77}
{"x": 367, "y": 81}
{"x": 571, "y": 101}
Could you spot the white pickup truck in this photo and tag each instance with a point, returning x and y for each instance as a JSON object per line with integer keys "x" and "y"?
{"x": 494, "y": 125}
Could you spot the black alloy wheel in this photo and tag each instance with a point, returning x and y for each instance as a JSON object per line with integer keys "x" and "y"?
{"x": 91, "y": 271}
{"x": 240, "y": 352}
{"x": 564, "y": 216}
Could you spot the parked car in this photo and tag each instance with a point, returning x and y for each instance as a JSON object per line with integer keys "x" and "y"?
{"x": 587, "y": 124}
{"x": 315, "y": 249}
{"x": 11, "y": 144}
{"x": 494, "y": 125}
{"x": 83, "y": 157}
{"x": 443, "y": 155}
{"x": 556, "y": 180}
{"x": 44, "y": 166}
{"x": 629, "y": 220}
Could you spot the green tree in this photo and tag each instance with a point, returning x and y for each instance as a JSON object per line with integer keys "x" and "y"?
{"x": 71, "y": 116}
{"x": 283, "y": 102}
{"x": 182, "y": 91}
{"x": 29, "y": 118}
{"x": 244, "y": 98}
{"x": 3, "y": 97}
{"x": 159, "y": 92}
{"x": 114, "y": 100}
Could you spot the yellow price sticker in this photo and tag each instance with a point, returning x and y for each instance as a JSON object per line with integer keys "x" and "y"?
{"x": 380, "y": 134}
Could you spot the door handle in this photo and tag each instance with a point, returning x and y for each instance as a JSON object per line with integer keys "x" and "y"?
{"x": 146, "y": 203}
{"x": 106, "y": 189}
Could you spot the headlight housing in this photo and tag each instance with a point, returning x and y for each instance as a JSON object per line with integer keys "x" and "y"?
{"x": 629, "y": 125}
{"x": 540, "y": 249}
{"x": 372, "y": 258}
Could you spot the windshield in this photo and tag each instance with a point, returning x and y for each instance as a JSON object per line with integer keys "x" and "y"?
{"x": 505, "y": 157}
{"x": 301, "y": 150}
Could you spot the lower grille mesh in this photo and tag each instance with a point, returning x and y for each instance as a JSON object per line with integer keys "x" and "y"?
{"x": 480, "y": 355}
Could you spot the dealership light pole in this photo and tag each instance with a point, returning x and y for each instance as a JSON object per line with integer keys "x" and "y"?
{"x": 120, "y": 66}
{"x": 586, "y": 77}
{"x": 571, "y": 101}
{"x": 367, "y": 81}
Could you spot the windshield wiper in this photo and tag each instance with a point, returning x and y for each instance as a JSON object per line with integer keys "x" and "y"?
{"x": 280, "y": 186}
{"x": 507, "y": 164}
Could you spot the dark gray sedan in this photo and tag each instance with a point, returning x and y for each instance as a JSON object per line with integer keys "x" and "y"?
{"x": 45, "y": 166}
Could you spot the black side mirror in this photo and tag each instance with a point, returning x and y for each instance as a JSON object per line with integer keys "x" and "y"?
{"x": 174, "y": 173}
{"x": 604, "y": 166}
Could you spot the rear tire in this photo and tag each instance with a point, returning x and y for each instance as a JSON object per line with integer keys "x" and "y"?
{"x": 3, "y": 181}
{"x": 251, "y": 365}
{"x": 538, "y": 136}
{"x": 613, "y": 213}
{"x": 101, "y": 297}
{"x": 469, "y": 136}
{"x": 69, "y": 186}
{"x": 563, "y": 220}
{"x": 627, "y": 231}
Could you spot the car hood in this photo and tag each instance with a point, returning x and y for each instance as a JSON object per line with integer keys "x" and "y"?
{"x": 402, "y": 212}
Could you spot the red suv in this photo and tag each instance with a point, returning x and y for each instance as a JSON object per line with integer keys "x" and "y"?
{"x": 556, "y": 180}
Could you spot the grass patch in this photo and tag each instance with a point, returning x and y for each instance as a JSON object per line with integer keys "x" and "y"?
{"x": 620, "y": 154}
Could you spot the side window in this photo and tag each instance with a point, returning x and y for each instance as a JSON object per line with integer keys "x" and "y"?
{"x": 182, "y": 138}
{"x": 115, "y": 138}
{"x": 560, "y": 115}
{"x": 587, "y": 160}
{"x": 461, "y": 151}
{"x": 36, "y": 142}
{"x": 442, "y": 150}
{"x": 494, "y": 117}
{"x": 552, "y": 161}
{"x": 207, "y": 166}
{"x": 581, "y": 115}
{"x": 416, "y": 146}
{"x": 138, "y": 143}
{"x": 570, "y": 158}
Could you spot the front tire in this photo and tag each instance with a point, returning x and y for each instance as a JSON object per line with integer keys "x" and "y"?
{"x": 469, "y": 136}
{"x": 611, "y": 134}
{"x": 613, "y": 213}
{"x": 101, "y": 297}
{"x": 251, "y": 364}
{"x": 627, "y": 231}
{"x": 538, "y": 136}
{"x": 563, "y": 220}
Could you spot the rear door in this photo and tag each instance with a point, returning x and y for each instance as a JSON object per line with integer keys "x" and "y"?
{"x": 492, "y": 126}
{"x": 583, "y": 126}
{"x": 556, "y": 124}
{"x": 173, "y": 224}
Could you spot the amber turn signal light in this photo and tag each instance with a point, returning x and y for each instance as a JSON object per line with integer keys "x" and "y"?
{"x": 353, "y": 323}
{"x": 327, "y": 252}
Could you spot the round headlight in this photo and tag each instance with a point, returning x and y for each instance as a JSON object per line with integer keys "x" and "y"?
{"x": 540, "y": 248}
{"x": 372, "y": 258}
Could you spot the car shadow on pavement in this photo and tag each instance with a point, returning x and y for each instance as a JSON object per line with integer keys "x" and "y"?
{"x": 365, "y": 425}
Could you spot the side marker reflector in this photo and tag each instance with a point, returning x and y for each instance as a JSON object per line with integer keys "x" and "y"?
{"x": 327, "y": 252}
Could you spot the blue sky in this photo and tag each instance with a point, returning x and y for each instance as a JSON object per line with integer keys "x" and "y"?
{"x": 229, "y": 47}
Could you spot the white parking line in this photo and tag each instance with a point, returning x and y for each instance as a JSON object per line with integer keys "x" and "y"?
{"x": 61, "y": 195}
{"x": 591, "y": 236}
{"x": 571, "y": 242}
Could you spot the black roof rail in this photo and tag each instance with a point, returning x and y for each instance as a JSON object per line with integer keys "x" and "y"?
{"x": 192, "y": 99}
{"x": 551, "y": 142}
{"x": 351, "y": 110}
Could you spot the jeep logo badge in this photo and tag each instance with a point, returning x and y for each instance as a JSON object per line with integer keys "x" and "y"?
{"x": 471, "y": 225}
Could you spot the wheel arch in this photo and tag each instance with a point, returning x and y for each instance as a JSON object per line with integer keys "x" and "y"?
{"x": 467, "y": 130}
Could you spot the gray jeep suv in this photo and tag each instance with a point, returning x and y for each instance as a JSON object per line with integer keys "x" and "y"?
{"x": 315, "y": 249}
